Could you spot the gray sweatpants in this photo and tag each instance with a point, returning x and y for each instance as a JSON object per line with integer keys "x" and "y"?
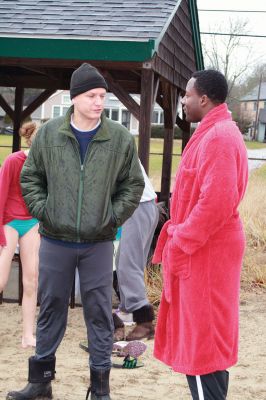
{"x": 132, "y": 254}
{"x": 56, "y": 274}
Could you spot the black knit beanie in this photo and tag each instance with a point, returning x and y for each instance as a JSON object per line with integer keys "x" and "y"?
{"x": 85, "y": 78}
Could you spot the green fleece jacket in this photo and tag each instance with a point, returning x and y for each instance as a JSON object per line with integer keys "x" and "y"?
{"x": 81, "y": 202}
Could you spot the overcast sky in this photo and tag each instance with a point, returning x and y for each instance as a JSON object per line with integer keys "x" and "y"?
{"x": 256, "y": 22}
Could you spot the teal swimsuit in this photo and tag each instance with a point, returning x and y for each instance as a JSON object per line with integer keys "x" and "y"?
{"x": 22, "y": 226}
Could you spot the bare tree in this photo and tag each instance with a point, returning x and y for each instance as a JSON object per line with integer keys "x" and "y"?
{"x": 254, "y": 77}
{"x": 229, "y": 54}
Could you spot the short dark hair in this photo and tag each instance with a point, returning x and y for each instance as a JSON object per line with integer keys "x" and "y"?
{"x": 212, "y": 83}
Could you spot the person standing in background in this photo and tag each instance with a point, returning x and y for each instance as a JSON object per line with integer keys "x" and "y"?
{"x": 131, "y": 261}
{"x": 17, "y": 226}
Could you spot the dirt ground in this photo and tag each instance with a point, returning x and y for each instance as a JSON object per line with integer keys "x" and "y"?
{"x": 154, "y": 381}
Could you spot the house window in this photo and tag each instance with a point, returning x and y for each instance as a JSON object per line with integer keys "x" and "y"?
{"x": 107, "y": 112}
{"x": 56, "y": 111}
{"x": 115, "y": 114}
{"x": 59, "y": 111}
{"x": 112, "y": 113}
{"x": 254, "y": 106}
{"x": 64, "y": 110}
{"x": 155, "y": 117}
{"x": 264, "y": 104}
{"x": 66, "y": 99}
{"x": 245, "y": 106}
{"x": 126, "y": 118}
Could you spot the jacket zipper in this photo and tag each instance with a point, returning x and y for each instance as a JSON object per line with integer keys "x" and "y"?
{"x": 80, "y": 195}
{"x": 80, "y": 192}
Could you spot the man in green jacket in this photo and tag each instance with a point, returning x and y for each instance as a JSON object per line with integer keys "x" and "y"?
{"x": 82, "y": 180}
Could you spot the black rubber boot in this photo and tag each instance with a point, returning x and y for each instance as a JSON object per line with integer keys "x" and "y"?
{"x": 32, "y": 391}
{"x": 41, "y": 372}
{"x": 99, "y": 387}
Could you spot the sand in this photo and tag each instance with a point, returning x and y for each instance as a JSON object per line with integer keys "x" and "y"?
{"x": 154, "y": 381}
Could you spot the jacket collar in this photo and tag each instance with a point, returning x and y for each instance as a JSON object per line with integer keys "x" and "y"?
{"x": 217, "y": 114}
{"x": 101, "y": 135}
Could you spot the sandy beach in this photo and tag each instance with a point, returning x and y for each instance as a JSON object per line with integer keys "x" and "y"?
{"x": 154, "y": 381}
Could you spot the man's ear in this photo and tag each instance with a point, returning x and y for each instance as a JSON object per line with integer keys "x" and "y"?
{"x": 204, "y": 100}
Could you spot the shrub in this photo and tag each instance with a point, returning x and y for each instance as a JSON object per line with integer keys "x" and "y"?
{"x": 253, "y": 215}
{"x": 157, "y": 132}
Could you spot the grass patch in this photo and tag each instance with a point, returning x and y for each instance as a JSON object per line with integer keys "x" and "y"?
{"x": 156, "y": 161}
{"x": 253, "y": 214}
{"x": 259, "y": 173}
{"x": 6, "y": 140}
{"x": 255, "y": 145}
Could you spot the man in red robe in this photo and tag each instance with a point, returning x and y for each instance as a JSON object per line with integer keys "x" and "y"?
{"x": 201, "y": 247}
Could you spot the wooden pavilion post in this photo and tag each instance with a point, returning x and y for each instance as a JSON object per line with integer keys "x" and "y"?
{"x": 185, "y": 128}
{"x": 146, "y": 109}
{"x": 169, "y": 103}
{"x": 17, "y": 117}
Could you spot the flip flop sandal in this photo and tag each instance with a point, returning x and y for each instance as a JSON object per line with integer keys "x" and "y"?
{"x": 128, "y": 363}
{"x": 134, "y": 349}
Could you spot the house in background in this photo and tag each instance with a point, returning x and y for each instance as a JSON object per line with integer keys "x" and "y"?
{"x": 262, "y": 124}
{"x": 255, "y": 110}
{"x": 58, "y": 104}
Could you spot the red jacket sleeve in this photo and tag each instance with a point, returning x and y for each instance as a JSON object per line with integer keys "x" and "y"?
{"x": 5, "y": 179}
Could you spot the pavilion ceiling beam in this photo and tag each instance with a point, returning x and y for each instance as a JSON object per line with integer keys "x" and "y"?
{"x": 169, "y": 103}
{"x": 33, "y": 81}
{"x": 6, "y": 107}
{"x": 71, "y": 64}
{"x": 122, "y": 95}
{"x": 37, "y": 103}
{"x": 130, "y": 86}
{"x": 40, "y": 71}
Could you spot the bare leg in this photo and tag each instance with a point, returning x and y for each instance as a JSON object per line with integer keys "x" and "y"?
{"x": 7, "y": 254}
{"x": 29, "y": 254}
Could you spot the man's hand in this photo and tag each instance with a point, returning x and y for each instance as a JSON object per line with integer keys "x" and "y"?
{"x": 28, "y": 129}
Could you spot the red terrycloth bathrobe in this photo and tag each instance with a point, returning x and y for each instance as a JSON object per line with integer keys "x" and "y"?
{"x": 201, "y": 248}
